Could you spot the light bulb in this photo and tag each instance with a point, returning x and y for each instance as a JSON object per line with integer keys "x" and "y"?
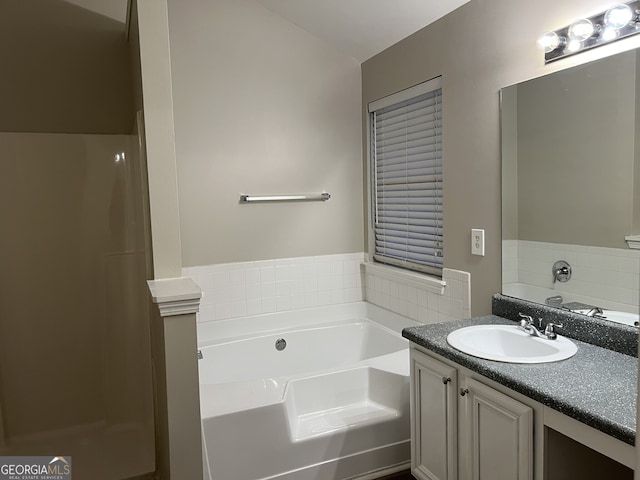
{"x": 618, "y": 16}
{"x": 609, "y": 34}
{"x": 573, "y": 46}
{"x": 549, "y": 42}
{"x": 580, "y": 30}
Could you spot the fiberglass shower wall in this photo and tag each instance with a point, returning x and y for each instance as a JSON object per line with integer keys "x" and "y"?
{"x": 75, "y": 362}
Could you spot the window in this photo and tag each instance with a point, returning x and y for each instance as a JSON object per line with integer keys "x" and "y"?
{"x": 406, "y": 161}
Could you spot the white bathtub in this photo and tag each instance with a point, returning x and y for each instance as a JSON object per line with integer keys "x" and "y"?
{"x": 333, "y": 404}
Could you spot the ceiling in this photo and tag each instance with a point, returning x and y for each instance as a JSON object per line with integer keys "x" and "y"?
{"x": 359, "y": 28}
{"x": 362, "y": 28}
{"x": 115, "y": 9}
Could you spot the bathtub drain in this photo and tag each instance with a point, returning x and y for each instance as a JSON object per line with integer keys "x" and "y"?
{"x": 281, "y": 344}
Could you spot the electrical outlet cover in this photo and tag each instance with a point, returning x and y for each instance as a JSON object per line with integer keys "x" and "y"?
{"x": 477, "y": 241}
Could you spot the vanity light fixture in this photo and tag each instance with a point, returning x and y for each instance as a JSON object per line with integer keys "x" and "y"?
{"x": 620, "y": 21}
{"x": 581, "y": 30}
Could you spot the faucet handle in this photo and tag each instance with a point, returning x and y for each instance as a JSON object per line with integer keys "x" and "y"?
{"x": 527, "y": 320}
{"x": 550, "y": 332}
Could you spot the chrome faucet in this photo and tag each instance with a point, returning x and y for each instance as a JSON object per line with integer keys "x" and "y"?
{"x": 527, "y": 325}
{"x": 554, "y": 301}
{"x": 595, "y": 312}
{"x": 561, "y": 271}
{"x": 549, "y": 331}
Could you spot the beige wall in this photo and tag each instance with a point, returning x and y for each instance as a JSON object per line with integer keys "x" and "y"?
{"x": 262, "y": 107}
{"x": 479, "y": 48}
{"x": 69, "y": 70}
{"x": 576, "y": 140}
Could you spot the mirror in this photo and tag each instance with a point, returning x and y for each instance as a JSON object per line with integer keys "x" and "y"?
{"x": 571, "y": 188}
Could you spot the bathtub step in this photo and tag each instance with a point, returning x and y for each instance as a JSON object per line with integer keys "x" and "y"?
{"x": 327, "y": 421}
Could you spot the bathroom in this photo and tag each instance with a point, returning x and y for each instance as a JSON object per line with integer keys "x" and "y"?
{"x": 208, "y": 67}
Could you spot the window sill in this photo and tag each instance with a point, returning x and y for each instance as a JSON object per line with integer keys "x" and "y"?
{"x": 633, "y": 241}
{"x": 419, "y": 280}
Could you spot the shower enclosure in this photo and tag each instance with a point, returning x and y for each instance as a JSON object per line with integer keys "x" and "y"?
{"x": 75, "y": 361}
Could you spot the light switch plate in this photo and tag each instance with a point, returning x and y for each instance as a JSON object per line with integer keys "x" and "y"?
{"x": 477, "y": 241}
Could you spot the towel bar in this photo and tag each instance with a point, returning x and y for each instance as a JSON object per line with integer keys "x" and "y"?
{"x": 322, "y": 197}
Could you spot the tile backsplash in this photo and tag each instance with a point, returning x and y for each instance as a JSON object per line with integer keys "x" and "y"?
{"x": 234, "y": 290}
{"x": 607, "y": 277}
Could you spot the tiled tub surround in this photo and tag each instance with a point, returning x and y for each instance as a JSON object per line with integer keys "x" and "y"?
{"x": 597, "y": 386}
{"x": 417, "y": 296}
{"x": 235, "y": 290}
{"x": 606, "y": 277}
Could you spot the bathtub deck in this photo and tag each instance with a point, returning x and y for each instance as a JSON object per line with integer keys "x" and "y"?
{"x": 327, "y": 421}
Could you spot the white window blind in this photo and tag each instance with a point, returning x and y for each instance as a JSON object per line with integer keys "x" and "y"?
{"x": 406, "y": 147}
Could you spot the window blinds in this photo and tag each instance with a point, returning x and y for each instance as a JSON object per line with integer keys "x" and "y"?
{"x": 407, "y": 181}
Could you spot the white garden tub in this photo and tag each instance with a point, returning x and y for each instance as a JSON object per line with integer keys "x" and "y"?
{"x": 333, "y": 404}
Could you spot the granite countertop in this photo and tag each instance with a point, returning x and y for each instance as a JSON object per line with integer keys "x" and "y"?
{"x": 596, "y": 386}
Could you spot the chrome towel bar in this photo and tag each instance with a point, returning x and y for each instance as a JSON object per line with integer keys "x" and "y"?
{"x": 322, "y": 197}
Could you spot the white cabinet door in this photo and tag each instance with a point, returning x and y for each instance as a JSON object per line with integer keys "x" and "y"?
{"x": 496, "y": 434}
{"x": 433, "y": 414}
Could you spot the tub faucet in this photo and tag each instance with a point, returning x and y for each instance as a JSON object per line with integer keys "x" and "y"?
{"x": 555, "y": 301}
{"x": 595, "y": 312}
{"x": 561, "y": 271}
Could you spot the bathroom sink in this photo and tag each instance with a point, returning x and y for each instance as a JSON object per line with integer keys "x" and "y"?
{"x": 508, "y": 343}
{"x": 616, "y": 316}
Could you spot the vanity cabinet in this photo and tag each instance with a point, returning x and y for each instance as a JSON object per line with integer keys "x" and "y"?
{"x": 464, "y": 429}
{"x": 434, "y": 411}
{"x": 496, "y": 434}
